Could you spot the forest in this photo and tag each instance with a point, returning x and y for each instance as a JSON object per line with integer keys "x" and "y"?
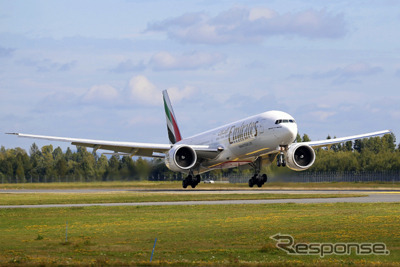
{"x": 47, "y": 164}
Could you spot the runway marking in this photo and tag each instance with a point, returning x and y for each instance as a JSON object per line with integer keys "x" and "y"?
{"x": 393, "y": 192}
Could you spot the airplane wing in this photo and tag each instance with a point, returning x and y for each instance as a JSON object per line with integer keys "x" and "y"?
{"x": 329, "y": 142}
{"x": 126, "y": 148}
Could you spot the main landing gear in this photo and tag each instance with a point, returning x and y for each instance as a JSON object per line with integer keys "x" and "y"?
{"x": 191, "y": 180}
{"x": 256, "y": 179}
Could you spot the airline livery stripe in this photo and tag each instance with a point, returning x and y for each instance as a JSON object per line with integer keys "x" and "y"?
{"x": 176, "y": 130}
{"x": 257, "y": 151}
{"x": 167, "y": 112}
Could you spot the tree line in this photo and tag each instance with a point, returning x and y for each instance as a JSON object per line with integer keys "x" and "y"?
{"x": 372, "y": 155}
{"x": 54, "y": 165}
{"x": 47, "y": 164}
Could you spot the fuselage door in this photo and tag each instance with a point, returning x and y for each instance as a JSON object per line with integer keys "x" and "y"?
{"x": 260, "y": 126}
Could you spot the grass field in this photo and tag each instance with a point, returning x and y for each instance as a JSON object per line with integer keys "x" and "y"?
{"x": 222, "y": 235}
{"x": 195, "y": 235}
{"x": 178, "y": 185}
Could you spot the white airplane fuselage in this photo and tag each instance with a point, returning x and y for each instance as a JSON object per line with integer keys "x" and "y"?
{"x": 245, "y": 140}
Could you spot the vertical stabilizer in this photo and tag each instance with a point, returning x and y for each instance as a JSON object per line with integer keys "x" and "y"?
{"x": 172, "y": 126}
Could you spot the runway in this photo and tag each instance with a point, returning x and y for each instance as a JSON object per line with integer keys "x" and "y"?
{"x": 371, "y": 196}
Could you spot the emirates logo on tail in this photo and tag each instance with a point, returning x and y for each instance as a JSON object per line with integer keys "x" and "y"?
{"x": 172, "y": 126}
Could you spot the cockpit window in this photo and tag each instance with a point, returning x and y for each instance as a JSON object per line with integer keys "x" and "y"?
{"x": 284, "y": 121}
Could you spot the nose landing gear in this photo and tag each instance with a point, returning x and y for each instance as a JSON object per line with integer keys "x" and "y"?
{"x": 280, "y": 160}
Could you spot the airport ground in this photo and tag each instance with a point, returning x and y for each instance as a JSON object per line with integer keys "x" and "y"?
{"x": 195, "y": 234}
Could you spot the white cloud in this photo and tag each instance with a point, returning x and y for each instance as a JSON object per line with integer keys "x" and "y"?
{"x": 144, "y": 92}
{"x": 101, "y": 93}
{"x": 189, "y": 61}
{"x": 258, "y": 13}
{"x": 177, "y": 95}
{"x": 244, "y": 25}
{"x": 141, "y": 90}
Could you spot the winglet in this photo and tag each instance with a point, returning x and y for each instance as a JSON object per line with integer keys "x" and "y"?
{"x": 172, "y": 126}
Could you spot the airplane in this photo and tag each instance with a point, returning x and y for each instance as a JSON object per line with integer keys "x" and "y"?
{"x": 252, "y": 141}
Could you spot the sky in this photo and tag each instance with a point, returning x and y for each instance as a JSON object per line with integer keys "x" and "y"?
{"x": 96, "y": 69}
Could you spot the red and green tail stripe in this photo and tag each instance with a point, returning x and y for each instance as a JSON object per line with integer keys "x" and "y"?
{"x": 172, "y": 126}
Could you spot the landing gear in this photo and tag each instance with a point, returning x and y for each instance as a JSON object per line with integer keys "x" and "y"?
{"x": 280, "y": 160}
{"x": 256, "y": 179}
{"x": 191, "y": 180}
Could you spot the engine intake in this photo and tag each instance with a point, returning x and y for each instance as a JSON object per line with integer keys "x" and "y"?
{"x": 181, "y": 157}
{"x": 300, "y": 157}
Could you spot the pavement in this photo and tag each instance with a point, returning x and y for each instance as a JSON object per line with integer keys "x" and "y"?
{"x": 371, "y": 196}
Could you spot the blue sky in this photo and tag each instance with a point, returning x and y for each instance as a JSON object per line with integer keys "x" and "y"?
{"x": 96, "y": 69}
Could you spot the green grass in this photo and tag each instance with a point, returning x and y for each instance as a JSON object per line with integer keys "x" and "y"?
{"x": 195, "y": 235}
{"x": 216, "y": 186}
{"x": 125, "y": 197}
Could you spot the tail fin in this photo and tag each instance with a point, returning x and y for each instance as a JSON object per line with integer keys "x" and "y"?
{"x": 172, "y": 126}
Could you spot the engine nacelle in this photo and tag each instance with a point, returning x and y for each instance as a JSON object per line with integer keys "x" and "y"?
{"x": 180, "y": 158}
{"x": 300, "y": 157}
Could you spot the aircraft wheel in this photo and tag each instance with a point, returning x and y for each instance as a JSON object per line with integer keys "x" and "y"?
{"x": 198, "y": 179}
{"x": 260, "y": 183}
{"x": 184, "y": 183}
{"x": 251, "y": 182}
{"x": 264, "y": 178}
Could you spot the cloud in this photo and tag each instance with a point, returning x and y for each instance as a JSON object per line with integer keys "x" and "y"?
{"x": 348, "y": 73}
{"x": 177, "y": 95}
{"x": 341, "y": 75}
{"x": 57, "y": 102}
{"x": 140, "y": 93}
{"x": 317, "y": 112}
{"x": 244, "y": 25}
{"x": 163, "y": 61}
{"x": 47, "y": 65}
{"x": 129, "y": 66}
{"x": 101, "y": 94}
{"x": 144, "y": 92}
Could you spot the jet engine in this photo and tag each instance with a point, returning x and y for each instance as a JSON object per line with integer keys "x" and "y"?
{"x": 180, "y": 158}
{"x": 300, "y": 157}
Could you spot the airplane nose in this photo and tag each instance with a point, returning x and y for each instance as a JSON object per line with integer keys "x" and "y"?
{"x": 290, "y": 133}
{"x": 293, "y": 131}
